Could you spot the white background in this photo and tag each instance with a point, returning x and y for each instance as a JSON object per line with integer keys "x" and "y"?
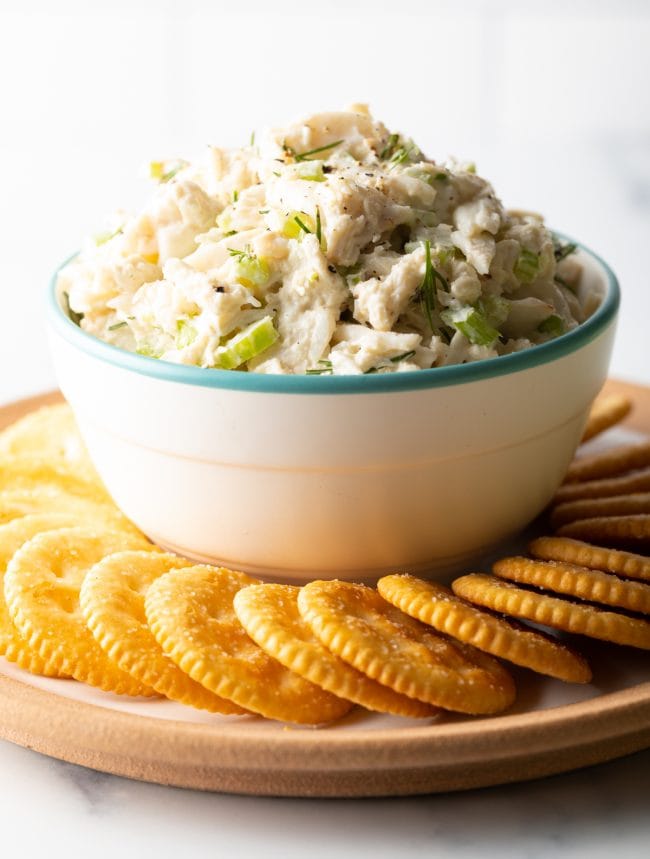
{"x": 551, "y": 100}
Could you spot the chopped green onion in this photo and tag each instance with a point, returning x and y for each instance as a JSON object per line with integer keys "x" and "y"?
{"x": 303, "y": 156}
{"x": 249, "y": 343}
{"x": 235, "y": 196}
{"x": 472, "y": 324}
{"x": 404, "y": 357}
{"x": 441, "y": 177}
{"x": 324, "y": 368}
{"x": 527, "y": 266}
{"x": 230, "y": 233}
{"x": 71, "y": 314}
{"x": 186, "y": 334}
{"x": 252, "y": 140}
{"x": 318, "y": 225}
{"x": 553, "y": 325}
{"x": 117, "y": 325}
{"x": 471, "y": 168}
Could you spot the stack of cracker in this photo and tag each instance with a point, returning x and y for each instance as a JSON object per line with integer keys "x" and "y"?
{"x": 85, "y": 595}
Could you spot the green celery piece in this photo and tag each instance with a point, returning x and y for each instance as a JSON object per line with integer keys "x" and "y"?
{"x": 527, "y": 266}
{"x": 148, "y": 351}
{"x": 186, "y": 333}
{"x": 252, "y": 271}
{"x": 249, "y": 343}
{"x": 102, "y": 238}
{"x": 472, "y": 324}
{"x": 553, "y": 325}
{"x": 495, "y": 309}
{"x": 292, "y": 228}
{"x": 311, "y": 171}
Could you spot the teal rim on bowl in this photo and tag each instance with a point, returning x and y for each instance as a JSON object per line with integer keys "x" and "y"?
{"x": 413, "y": 380}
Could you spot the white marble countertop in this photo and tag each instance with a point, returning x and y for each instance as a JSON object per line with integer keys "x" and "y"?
{"x": 60, "y": 810}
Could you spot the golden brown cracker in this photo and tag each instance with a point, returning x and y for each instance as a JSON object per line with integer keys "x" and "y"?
{"x": 13, "y": 535}
{"x": 610, "y": 463}
{"x": 42, "y": 585}
{"x": 565, "y": 549}
{"x": 626, "y": 484}
{"x": 602, "y": 529}
{"x": 589, "y": 508}
{"x": 29, "y": 472}
{"x": 50, "y": 432}
{"x": 191, "y": 615}
{"x": 269, "y": 614}
{"x": 606, "y": 411}
{"x": 508, "y": 598}
{"x": 576, "y": 581}
{"x": 15, "y": 503}
{"x": 360, "y": 627}
{"x": 437, "y": 606}
{"x": 112, "y": 603}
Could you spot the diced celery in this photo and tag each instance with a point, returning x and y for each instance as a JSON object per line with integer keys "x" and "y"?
{"x": 311, "y": 171}
{"x": 148, "y": 350}
{"x": 495, "y": 309}
{"x": 291, "y": 228}
{"x": 527, "y": 266}
{"x": 444, "y": 254}
{"x": 186, "y": 333}
{"x": 553, "y": 325}
{"x": 472, "y": 324}
{"x": 161, "y": 172}
{"x": 252, "y": 271}
{"x": 102, "y": 238}
{"x": 224, "y": 220}
{"x": 249, "y": 343}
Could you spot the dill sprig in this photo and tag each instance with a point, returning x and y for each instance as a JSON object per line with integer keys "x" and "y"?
{"x": 400, "y": 155}
{"x": 563, "y": 251}
{"x": 303, "y": 226}
{"x": 247, "y": 253}
{"x": 389, "y": 148}
{"x": 324, "y": 368}
{"x": 303, "y": 156}
{"x": 428, "y": 287}
{"x": 403, "y": 357}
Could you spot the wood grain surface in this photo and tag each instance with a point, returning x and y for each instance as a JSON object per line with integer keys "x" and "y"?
{"x": 332, "y": 763}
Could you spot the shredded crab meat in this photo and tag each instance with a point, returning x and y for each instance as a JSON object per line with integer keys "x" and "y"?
{"x": 350, "y": 248}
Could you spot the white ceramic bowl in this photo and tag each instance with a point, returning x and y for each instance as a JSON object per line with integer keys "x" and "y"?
{"x": 298, "y": 477}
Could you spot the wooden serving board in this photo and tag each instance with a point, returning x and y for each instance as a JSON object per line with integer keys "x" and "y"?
{"x": 554, "y": 727}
